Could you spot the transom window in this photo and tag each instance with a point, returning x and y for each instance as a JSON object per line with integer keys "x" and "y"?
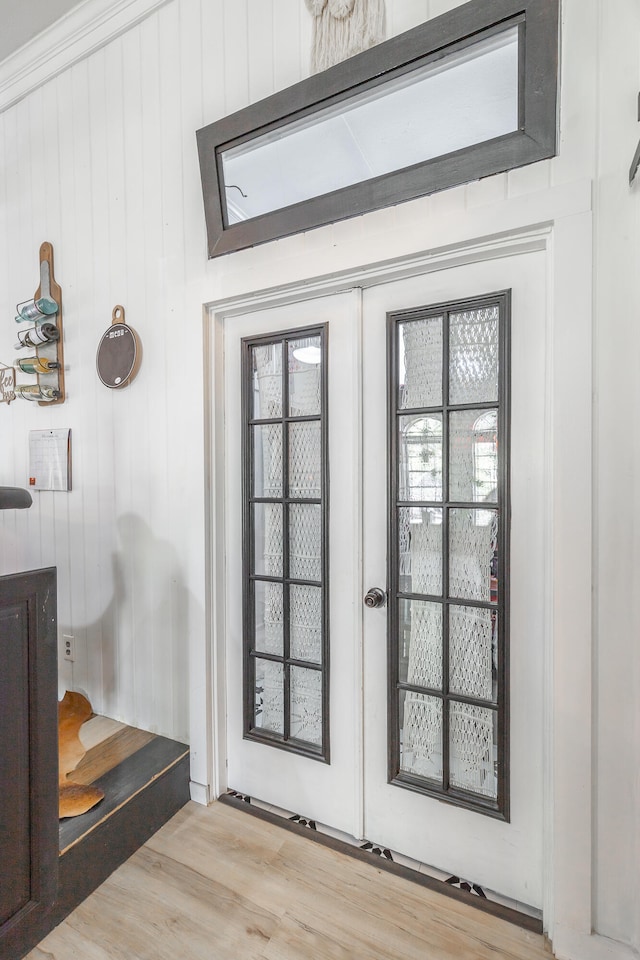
{"x": 448, "y": 552}
{"x": 285, "y": 541}
{"x": 462, "y": 96}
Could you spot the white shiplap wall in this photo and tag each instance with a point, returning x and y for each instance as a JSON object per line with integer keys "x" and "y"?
{"x": 101, "y": 161}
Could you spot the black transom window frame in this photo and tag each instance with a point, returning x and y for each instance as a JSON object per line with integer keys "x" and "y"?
{"x": 250, "y": 654}
{"x": 500, "y": 807}
{"x": 535, "y": 139}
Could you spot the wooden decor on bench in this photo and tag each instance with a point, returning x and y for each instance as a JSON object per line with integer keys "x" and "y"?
{"x": 75, "y": 798}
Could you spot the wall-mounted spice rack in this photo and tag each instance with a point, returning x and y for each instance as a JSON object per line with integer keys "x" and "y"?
{"x": 40, "y": 338}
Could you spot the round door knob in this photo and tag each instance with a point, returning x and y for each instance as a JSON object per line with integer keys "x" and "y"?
{"x": 375, "y": 598}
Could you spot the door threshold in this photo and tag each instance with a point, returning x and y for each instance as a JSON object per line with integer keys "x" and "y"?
{"x": 384, "y": 859}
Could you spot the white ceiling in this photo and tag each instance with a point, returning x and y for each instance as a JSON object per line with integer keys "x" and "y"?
{"x": 22, "y": 20}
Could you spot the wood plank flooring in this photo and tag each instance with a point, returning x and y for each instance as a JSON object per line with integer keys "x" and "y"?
{"x": 217, "y": 884}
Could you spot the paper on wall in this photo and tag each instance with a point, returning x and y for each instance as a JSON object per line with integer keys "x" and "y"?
{"x": 50, "y": 459}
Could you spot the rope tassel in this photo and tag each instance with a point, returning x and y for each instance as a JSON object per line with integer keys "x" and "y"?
{"x": 342, "y": 28}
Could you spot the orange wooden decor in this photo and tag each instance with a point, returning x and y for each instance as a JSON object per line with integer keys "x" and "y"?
{"x": 75, "y": 798}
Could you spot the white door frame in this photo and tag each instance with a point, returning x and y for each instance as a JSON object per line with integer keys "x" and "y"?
{"x": 567, "y": 592}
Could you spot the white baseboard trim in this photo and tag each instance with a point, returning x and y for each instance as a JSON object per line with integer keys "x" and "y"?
{"x": 78, "y": 34}
{"x": 200, "y": 793}
{"x": 569, "y": 945}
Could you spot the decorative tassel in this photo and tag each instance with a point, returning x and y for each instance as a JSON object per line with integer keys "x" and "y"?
{"x": 343, "y": 28}
{"x": 316, "y": 7}
{"x": 341, "y": 8}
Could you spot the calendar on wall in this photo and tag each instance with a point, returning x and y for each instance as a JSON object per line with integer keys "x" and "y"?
{"x": 50, "y": 459}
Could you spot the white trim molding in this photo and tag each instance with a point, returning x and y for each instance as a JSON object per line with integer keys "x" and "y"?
{"x": 569, "y": 945}
{"x": 77, "y": 35}
{"x": 200, "y": 793}
{"x": 562, "y": 790}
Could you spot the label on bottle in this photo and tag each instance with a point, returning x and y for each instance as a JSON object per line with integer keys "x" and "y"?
{"x": 41, "y": 333}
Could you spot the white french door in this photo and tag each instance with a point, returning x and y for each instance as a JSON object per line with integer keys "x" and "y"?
{"x": 328, "y": 792}
{"x": 352, "y": 791}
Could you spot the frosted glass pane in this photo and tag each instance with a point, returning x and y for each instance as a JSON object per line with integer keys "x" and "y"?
{"x": 420, "y": 643}
{"x": 420, "y": 458}
{"x": 305, "y": 377}
{"x": 267, "y": 538}
{"x": 269, "y": 618}
{"x": 473, "y": 554}
{"x": 420, "y": 550}
{"x": 466, "y": 98}
{"x": 269, "y": 696}
{"x": 306, "y": 705}
{"x": 305, "y": 541}
{"x": 267, "y": 381}
{"x": 305, "y": 460}
{"x": 420, "y": 363}
{"x": 473, "y": 749}
{"x": 473, "y": 456}
{"x": 473, "y": 639}
{"x": 267, "y": 460}
{"x": 421, "y": 735}
{"x": 305, "y": 613}
{"x": 473, "y": 356}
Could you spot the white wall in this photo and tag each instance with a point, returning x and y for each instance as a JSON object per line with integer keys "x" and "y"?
{"x": 101, "y": 161}
{"x": 617, "y": 469}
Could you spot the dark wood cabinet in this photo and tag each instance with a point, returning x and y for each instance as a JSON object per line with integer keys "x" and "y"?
{"x": 28, "y": 755}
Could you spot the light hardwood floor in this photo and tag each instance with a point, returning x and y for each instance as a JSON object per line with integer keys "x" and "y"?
{"x": 218, "y": 884}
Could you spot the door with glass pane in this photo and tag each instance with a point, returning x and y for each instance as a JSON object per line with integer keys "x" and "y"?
{"x": 393, "y": 438}
{"x": 448, "y": 550}
{"x": 453, "y": 664}
{"x": 294, "y": 629}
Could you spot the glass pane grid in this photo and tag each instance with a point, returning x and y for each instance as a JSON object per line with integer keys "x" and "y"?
{"x": 473, "y": 355}
{"x": 473, "y": 748}
{"x": 265, "y": 421}
{"x": 285, "y": 618}
{"x": 473, "y": 551}
{"x": 421, "y": 735}
{"x": 460, "y": 698}
{"x": 287, "y": 661}
{"x": 447, "y": 622}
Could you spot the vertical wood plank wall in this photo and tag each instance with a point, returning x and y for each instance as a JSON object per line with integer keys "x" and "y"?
{"x": 102, "y": 162}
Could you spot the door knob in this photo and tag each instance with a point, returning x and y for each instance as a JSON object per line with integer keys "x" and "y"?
{"x": 375, "y": 598}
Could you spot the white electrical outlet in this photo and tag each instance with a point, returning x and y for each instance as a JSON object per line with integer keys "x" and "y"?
{"x": 69, "y": 647}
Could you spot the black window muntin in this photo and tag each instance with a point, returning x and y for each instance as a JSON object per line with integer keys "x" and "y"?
{"x": 500, "y": 807}
{"x": 535, "y": 139}
{"x": 250, "y": 731}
